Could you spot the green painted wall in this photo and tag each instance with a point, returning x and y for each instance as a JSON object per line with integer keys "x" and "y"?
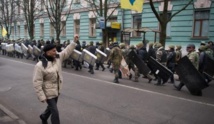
{"x": 181, "y": 25}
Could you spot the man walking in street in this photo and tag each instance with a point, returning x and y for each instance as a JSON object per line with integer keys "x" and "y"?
{"x": 116, "y": 57}
{"x": 47, "y": 79}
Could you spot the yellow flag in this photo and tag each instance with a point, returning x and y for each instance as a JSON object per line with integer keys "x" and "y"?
{"x": 132, "y": 4}
{"x": 4, "y": 32}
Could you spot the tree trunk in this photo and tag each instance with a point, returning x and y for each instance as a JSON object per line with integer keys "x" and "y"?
{"x": 8, "y": 33}
{"x": 162, "y": 39}
{"x": 31, "y": 30}
{"x": 58, "y": 36}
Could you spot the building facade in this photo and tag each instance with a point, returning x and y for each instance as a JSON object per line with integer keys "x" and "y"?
{"x": 194, "y": 24}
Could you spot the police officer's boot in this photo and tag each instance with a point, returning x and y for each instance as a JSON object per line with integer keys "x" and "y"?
{"x": 119, "y": 74}
{"x": 116, "y": 80}
{"x": 179, "y": 86}
{"x": 130, "y": 76}
{"x": 136, "y": 78}
{"x": 159, "y": 81}
{"x": 197, "y": 93}
{"x": 111, "y": 70}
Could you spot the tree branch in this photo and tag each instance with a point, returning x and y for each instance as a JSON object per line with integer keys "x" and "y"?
{"x": 155, "y": 12}
{"x": 180, "y": 10}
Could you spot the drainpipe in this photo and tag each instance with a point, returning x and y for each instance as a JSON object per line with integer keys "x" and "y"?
{"x": 122, "y": 25}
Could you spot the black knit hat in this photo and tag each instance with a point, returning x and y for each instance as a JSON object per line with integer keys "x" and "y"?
{"x": 48, "y": 47}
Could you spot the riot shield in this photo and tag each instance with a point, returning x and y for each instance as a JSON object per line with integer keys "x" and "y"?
{"x": 107, "y": 51}
{"x": 3, "y": 46}
{"x": 30, "y": 50}
{"x": 190, "y": 76}
{"x": 24, "y": 49}
{"x": 76, "y": 55}
{"x": 159, "y": 69}
{"x": 142, "y": 67}
{"x": 36, "y": 51}
{"x": 209, "y": 67}
{"x": 18, "y": 48}
{"x": 9, "y": 48}
{"x": 101, "y": 56}
{"x": 88, "y": 57}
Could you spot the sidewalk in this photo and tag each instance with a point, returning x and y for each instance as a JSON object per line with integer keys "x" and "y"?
{"x": 7, "y": 117}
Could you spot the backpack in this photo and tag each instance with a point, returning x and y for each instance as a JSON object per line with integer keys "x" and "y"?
{"x": 164, "y": 55}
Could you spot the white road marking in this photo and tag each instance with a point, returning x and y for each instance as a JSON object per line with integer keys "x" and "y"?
{"x": 134, "y": 88}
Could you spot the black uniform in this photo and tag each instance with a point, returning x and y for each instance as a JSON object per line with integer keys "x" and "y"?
{"x": 91, "y": 49}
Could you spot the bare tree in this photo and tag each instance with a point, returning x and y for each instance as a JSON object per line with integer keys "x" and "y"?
{"x": 102, "y": 8}
{"x": 8, "y": 14}
{"x": 164, "y": 18}
{"x": 56, "y": 9}
{"x": 32, "y": 10}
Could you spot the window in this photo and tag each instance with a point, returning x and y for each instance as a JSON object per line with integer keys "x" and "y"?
{"x": 201, "y": 23}
{"x": 168, "y": 27}
{"x": 112, "y": 19}
{"x": 26, "y": 30}
{"x": 63, "y": 25}
{"x": 77, "y": 26}
{"x": 41, "y": 29}
{"x": 92, "y": 29}
{"x": 18, "y": 28}
{"x": 137, "y": 19}
{"x": 52, "y": 29}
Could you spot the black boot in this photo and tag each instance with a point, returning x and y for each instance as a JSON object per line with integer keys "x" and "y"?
{"x": 158, "y": 84}
{"x": 111, "y": 70}
{"x": 116, "y": 80}
{"x": 179, "y": 86}
{"x": 197, "y": 93}
{"x": 130, "y": 76}
{"x": 92, "y": 71}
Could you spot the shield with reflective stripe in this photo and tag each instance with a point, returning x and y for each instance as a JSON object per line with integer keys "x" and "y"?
{"x": 159, "y": 69}
{"x": 190, "y": 76}
{"x": 24, "y": 49}
{"x": 36, "y": 51}
{"x": 142, "y": 67}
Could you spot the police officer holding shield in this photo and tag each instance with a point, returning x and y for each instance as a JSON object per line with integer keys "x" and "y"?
{"x": 194, "y": 58}
{"x": 161, "y": 56}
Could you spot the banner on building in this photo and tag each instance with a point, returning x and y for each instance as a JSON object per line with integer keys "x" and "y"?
{"x": 136, "y": 5}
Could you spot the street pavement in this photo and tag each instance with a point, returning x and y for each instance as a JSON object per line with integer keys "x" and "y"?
{"x": 94, "y": 99}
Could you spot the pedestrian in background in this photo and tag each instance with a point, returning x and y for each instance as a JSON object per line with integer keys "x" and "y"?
{"x": 47, "y": 79}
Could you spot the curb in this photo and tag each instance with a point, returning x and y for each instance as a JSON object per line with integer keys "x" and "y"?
{"x": 11, "y": 114}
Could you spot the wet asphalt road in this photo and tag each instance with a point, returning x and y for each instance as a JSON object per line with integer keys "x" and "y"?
{"x": 94, "y": 99}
